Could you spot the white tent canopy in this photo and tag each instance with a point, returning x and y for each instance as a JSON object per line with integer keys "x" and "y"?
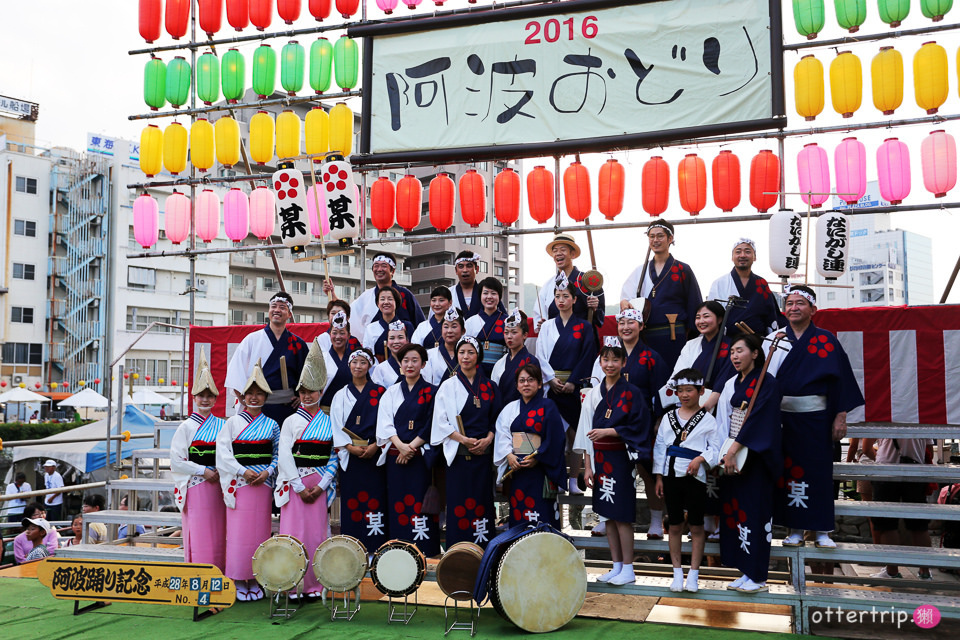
{"x": 22, "y": 395}
{"x": 86, "y": 398}
{"x": 146, "y": 396}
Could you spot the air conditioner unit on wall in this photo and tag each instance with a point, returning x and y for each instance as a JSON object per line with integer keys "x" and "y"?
{"x": 17, "y": 379}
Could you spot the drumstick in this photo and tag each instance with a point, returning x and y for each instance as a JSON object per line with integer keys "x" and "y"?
{"x": 763, "y": 373}
{"x": 460, "y": 428}
{"x": 509, "y": 473}
{"x": 356, "y": 439}
{"x": 283, "y": 372}
{"x": 743, "y": 326}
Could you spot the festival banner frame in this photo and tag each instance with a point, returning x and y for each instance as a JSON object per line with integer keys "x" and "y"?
{"x": 467, "y": 86}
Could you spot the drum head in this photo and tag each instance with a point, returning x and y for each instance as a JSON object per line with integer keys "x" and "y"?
{"x": 541, "y": 582}
{"x": 398, "y": 568}
{"x": 340, "y": 563}
{"x": 280, "y": 563}
{"x": 457, "y": 570}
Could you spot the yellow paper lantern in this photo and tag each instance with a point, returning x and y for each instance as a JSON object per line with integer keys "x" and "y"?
{"x": 808, "y": 82}
{"x": 316, "y": 132}
{"x": 341, "y": 129}
{"x": 846, "y": 83}
{"x": 201, "y": 144}
{"x": 227, "y": 137}
{"x": 261, "y": 137}
{"x": 54, "y": 385}
{"x": 175, "y": 148}
{"x": 136, "y": 376}
{"x": 151, "y": 150}
{"x": 288, "y": 134}
{"x": 930, "y": 83}
{"x": 886, "y": 75}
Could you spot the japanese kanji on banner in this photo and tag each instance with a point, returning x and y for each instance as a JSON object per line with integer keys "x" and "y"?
{"x": 291, "y": 207}
{"x": 340, "y": 193}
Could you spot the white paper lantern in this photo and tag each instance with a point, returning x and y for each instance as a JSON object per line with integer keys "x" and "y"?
{"x": 832, "y": 242}
{"x": 786, "y": 238}
{"x": 291, "y": 206}
{"x": 341, "y": 198}
{"x": 176, "y": 220}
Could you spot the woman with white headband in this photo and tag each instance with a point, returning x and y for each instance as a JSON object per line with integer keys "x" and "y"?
{"x": 388, "y": 372}
{"x": 340, "y": 344}
{"x": 487, "y": 325}
{"x": 375, "y": 335}
{"x": 442, "y": 359}
{"x": 515, "y": 330}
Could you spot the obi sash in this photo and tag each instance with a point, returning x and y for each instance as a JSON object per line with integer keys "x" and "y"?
{"x": 312, "y": 453}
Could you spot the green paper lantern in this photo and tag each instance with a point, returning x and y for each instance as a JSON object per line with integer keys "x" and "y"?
{"x": 935, "y": 9}
{"x": 155, "y": 83}
{"x": 291, "y": 67}
{"x": 851, "y": 14}
{"x": 264, "y": 71}
{"x": 178, "y": 82}
{"x": 346, "y": 62}
{"x": 208, "y": 78}
{"x": 893, "y": 12}
{"x": 232, "y": 72}
{"x": 808, "y": 15}
{"x": 321, "y": 64}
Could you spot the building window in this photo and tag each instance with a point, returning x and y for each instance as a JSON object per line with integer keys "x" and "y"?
{"x": 22, "y": 314}
{"x": 141, "y": 278}
{"x": 236, "y": 316}
{"x": 267, "y": 284}
{"x": 299, "y": 286}
{"x": 484, "y": 267}
{"x": 498, "y": 271}
{"x": 304, "y": 317}
{"x": 24, "y": 271}
{"x": 261, "y": 317}
{"x": 22, "y": 353}
{"x": 496, "y": 246}
{"x": 484, "y": 241}
{"x": 831, "y": 295}
{"x": 25, "y": 228}
{"x": 423, "y": 263}
{"x": 236, "y": 281}
{"x": 472, "y": 240}
{"x": 514, "y": 251}
{"x": 26, "y": 185}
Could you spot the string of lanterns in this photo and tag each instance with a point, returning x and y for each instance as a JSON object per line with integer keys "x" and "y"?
{"x": 809, "y": 16}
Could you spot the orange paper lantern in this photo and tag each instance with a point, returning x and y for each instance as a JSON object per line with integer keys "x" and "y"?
{"x": 540, "y": 194}
{"x": 506, "y": 196}
{"x": 473, "y": 198}
{"x": 764, "y": 180}
{"x": 655, "y": 185}
{"x": 611, "y": 183}
{"x": 726, "y": 181}
{"x": 576, "y": 191}
{"x": 441, "y": 197}
{"x": 409, "y": 199}
{"x": 382, "y": 204}
{"x": 692, "y": 183}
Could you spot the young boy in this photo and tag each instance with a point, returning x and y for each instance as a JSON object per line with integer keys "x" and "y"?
{"x": 687, "y": 447}
{"x": 429, "y": 333}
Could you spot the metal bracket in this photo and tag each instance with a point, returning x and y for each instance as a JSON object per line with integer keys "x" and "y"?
{"x": 457, "y": 624}
{"x": 406, "y": 615}
{"x": 77, "y": 609}
{"x": 350, "y": 605}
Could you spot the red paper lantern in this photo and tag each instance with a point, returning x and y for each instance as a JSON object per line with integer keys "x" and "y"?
{"x": 576, "y": 191}
{"x": 347, "y": 8}
{"x": 726, "y": 181}
{"x": 238, "y": 14}
{"x": 764, "y": 180}
{"x": 36, "y": 384}
{"x": 611, "y": 183}
{"x": 3, "y": 383}
{"x": 319, "y": 9}
{"x": 692, "y": 183}
{"x": 261, "y": 13}
{"x": 441, "y": 198}
{"x": 210, "y": 16}
{"x": 506, "y": 196}
{"x": 655, "y": 185}
{"x": 177, "y": 18}
{"x": 146, "y": 377}
{"x": 473, "y": 198}
{"x": 150, "y": 16}
{"x": 288, "y": 10}
{"x": 540, "y": 194}
{"x": 96, "y": 381}
{"x": 382, "y": 204}
{"x": 67, "y": 384}
{"x": 409, "y": 202}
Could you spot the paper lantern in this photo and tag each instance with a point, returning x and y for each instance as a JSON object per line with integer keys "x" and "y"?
{"x": 938, "y": 156}
{"x": 893, "y": 12}
{"x": 387, "y": 6}
{"x": 576, "y": 191}
{"x": 288, "y": 10}
{"x": 540, "y": 194}
{"x": 851, "y": 14}
{"x": 146, "y": 220}
{"x": 261, "y": 14}
{"x": 232, "y": 72}
{"x": 3, "y": 383}
{"x": 473, "y": 198}
{"x": 692, "y": 183}
{"x": 411, "y": 4}
{"x": 440, "y": 197}
{"x": 846, "y": 83}
{"x": 893, "y": 170}
{"x": 208, "y": 78}
{"x": 340, "y": 195}
{"x": 655, "y": 186}
{"x": 291, "y": 67}
{"x": 726, "y": 181}
{"x": 177, "y": 18}
{"x": 236, "y": 215}
{"x": 319, "y": 9}
{"x": 321, "y": 64}
{"x": 176, "y": 219}
{"x": 850, "y": 166}
{"x": 383, "y": 202}
{"x": 264, "y": 71}
{"x": 210, "y": 16}
{"x": 813, "y": 169}
{"x": 808, "y": 15}
{"x": 316, "y": 132}
{"x": 238, "y": 14}
{"x": 506, "y": 196}
{"x": 341, "y": 129}
{"x": 175, "y": 148}
{"x": 808, "y": 83}
{"x": 155, "y": 83}
{"x": 226, "y": 134}
{"x": 786, "y": 235}
{"x": 291, "y": 205}
{"x": 261, "y": 137}
{"x": 150, "y": 16}
{"x": 832, "y": 235}
{"x": 151, "y": 150}
{"x": 178, "y": 82}
{"x": 930, "y": 77}
{"x": 409, "y": 202}
{"x": 347, "y": 8}
{"x": 263, "y": 213}
{"x": 610, "y": 187}
{"x": 288, "y": 134}
{"x": 346, "y": 62}
{"x": 886, "y": 74}
{"x": 319, "y": 224}
{"x": 202, "y": 144}
{"x": 208, "y": 215}
{"x": 935, "y": 9}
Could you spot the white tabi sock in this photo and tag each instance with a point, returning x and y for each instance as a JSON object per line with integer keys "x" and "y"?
{"x": 656, "y": 522}
{"x": 614, "y": 572}
{"x": 677, "y": 585}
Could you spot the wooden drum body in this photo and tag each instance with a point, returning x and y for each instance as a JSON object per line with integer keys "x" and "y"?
{"x": 340, "y": 563}
{"x": 457, "y": 570}
{"x": 279, "y": 563}
{"x": 398, "y": 568}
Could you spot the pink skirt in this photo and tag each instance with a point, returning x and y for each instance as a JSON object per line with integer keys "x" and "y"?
{"x": 248, "y": 525}
{"x": 309, "y": 524}
{"x": 205, "y": 525}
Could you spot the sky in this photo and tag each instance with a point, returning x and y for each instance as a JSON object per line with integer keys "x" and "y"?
{"x": 71, "y": 58}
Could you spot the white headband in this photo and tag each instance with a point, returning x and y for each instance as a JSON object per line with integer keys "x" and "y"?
{"x": 283, "y": 300}
{"x": 360, "y": 353}
{"x": 471, "y": 341}
{"x": 339, "y": 320}
{"x": 745, "y": 241}
{"x": 654, "y": 225}
{"x": 612, "y": 341}
{"x": 679, "y": 382}
{"x": 812, "y": 299}
{"x": 396, "y": 325}
{"x": 385, "y": 259}
{"x": 561, "y": 282}
{"x": 451, "y": 315}
{"x": 630, "y": 314}
{"x": 513, "y": 320}
{"x": 475, "y": 259}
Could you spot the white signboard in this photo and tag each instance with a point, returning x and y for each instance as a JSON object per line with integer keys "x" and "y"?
{"x": 99, "y": 143}
{"x": 19, "y": 108}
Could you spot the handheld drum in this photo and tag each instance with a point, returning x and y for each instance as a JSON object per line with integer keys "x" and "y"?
{"x": 398, "y": 568}
{"x": 279, "y": 563}
{"x": 340, "y": 563}
{"x": 457, "y": 570}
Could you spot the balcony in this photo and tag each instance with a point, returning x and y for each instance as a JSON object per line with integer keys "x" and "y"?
{"x": 434, "y": 272}
{"x": 241, "y": 295}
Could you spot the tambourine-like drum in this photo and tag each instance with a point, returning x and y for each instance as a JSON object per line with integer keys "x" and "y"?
{"x": 340, "y": 563}
{"x": 457, "y": 570}
{"x": 540, "y": 583}
{"x": 398, "y": 568}
{"x": 279, "y": 563}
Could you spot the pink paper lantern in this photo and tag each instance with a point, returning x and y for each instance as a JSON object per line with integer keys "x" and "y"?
{"x": 814, "y": 172}
{"x": 177, "y": 220}
{"x": 146, "y": 221}
{"x": 411, "y": 4}
{"x": 319, "y": 225}
{"x": 236, "y": 215}
{"x": 938, "y": 155}
{"x": 893, "y": 170}
{"x": 262, "y": 212}
{"x": 850, "y": 165}
{"x": 387, "y": 6}
{"x": 208, "y": 215}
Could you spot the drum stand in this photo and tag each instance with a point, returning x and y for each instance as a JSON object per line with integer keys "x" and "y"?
{"x": 350, "y": 604}
{"x": 287, "y": 610}
{"x": 406, "y": 614}
{"x": 458, "y": 624}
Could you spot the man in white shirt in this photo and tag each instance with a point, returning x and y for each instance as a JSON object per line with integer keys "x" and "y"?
{"x": 14, "y": 508}
{"x": 52, "y": 480}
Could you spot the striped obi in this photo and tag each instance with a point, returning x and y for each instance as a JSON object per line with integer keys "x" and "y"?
{"x": 493, "y": 351}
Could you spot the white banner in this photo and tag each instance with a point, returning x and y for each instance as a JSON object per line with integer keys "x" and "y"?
{"x": 623, "y": 71}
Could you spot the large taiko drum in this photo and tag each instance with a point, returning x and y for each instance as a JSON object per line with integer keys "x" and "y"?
{"x": 398, "y": 568}
{"x": 279, "y": 563}
{"x": 540, "y": 582}
{"x": 457, "y": 570}
{"x": 340, "y": 563}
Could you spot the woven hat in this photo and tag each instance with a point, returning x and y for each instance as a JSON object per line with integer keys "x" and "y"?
{"x": 314, "y": 374}
{"x": 202, "y": 378}
{"x": 562, "y": 238}
{"x": 257, "y": 378}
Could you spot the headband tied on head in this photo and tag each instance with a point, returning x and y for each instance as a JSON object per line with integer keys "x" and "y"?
{"x": 339, "y": 320}
{"x": 809, "y": 297}
{"x": 513, "y": 320}
{"x": 612, "y": 341}
{"x": 451, "y": 315}
{"x": 470, "y": 340}
{"x": 396, "y": 325}
{"x": 654, "y": 225}
{"x": 562, "y": 282}
{"x": 630, "y": 314}
{"x": 679, "y": 382}
{"x": 283, "y": 300}
{"x": 748, "y": 241}
{"x": 360, "y": 353}
{"x": 385, "y": 259}
{"x": 474, "y": 258}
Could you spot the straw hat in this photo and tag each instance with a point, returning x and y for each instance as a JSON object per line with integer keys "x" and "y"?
{"x": 562, "y": 238}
